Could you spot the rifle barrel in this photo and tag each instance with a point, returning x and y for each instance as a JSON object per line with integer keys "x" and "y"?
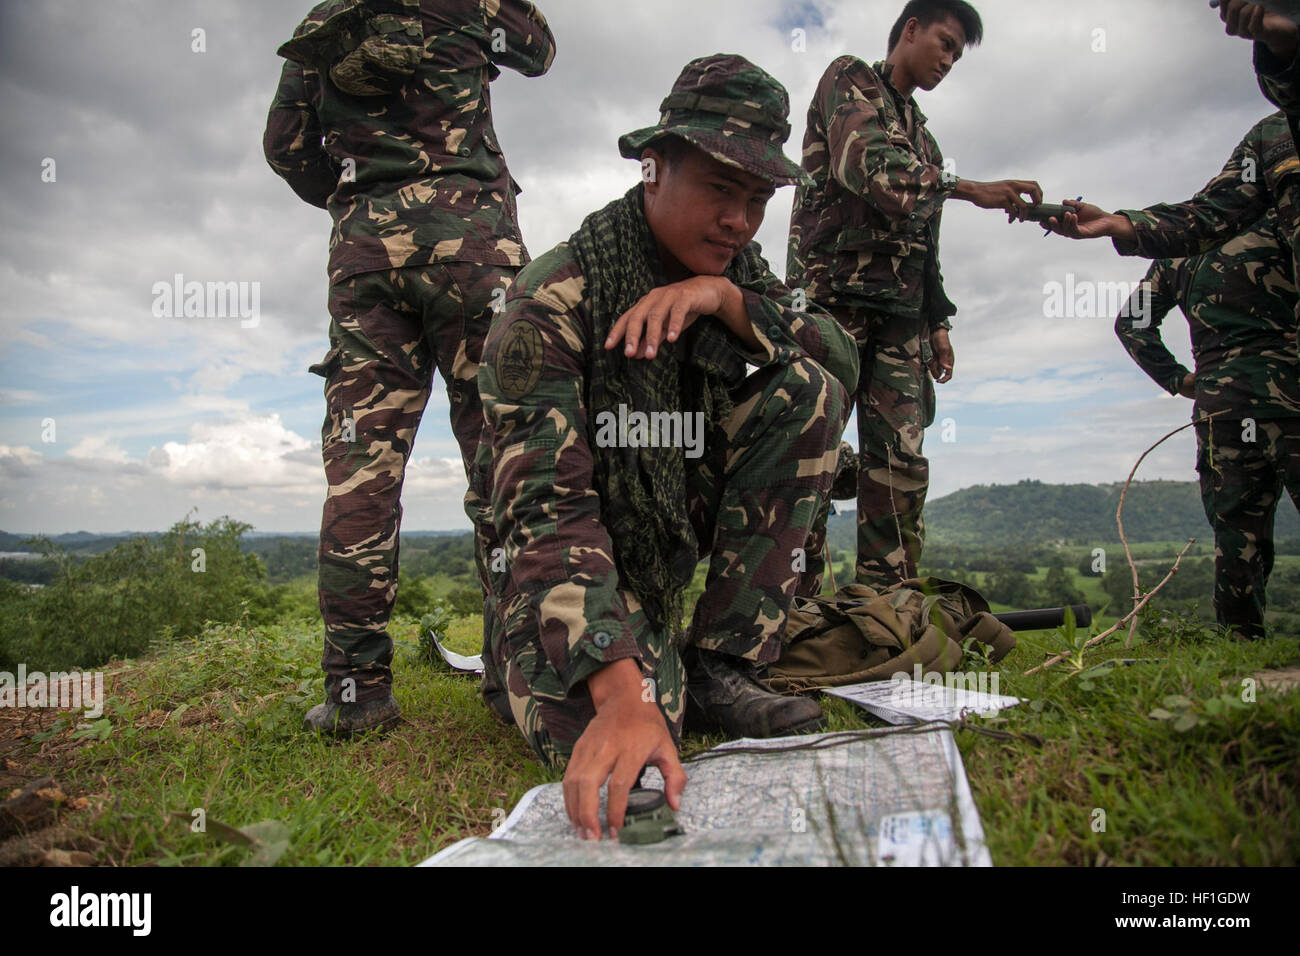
{"x": 1044, "y": 617}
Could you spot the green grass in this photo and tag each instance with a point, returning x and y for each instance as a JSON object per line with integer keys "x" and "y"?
{"x": 215, "y": 724}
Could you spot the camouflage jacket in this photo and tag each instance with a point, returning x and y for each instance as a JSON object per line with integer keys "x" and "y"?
{"x": 561, "y": 568}
{"x": 1262, "y": 173}
{"x": 414, "y": 175}
{"x": 865, "y": 235}
{"x": 1240, "y": 304}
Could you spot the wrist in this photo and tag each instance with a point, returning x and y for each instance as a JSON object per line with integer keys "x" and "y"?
{"x": 1282, "y": 44}
{"x": 734, "y": 314}
{"x": 1119, "y": 226}
{"x": 733, "y": 302}
{"x": 617, "y": 680}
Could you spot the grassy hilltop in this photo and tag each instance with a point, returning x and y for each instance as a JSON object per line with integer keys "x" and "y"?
{"x": 1188, "y": 753}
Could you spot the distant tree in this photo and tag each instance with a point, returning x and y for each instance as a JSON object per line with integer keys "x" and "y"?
{"x": 1059, "y": 589}
{"x": 1012, "y": 588}
{"x": 413, "y": 596}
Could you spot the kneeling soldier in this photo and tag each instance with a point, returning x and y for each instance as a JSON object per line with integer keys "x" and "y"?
{"x": 624, "y": 441}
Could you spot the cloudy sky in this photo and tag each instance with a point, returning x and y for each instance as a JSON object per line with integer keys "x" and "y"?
{"x": 112, "y": 418}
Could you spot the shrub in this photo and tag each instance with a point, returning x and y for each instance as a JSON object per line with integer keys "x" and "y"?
{"x": 115, "y": 604}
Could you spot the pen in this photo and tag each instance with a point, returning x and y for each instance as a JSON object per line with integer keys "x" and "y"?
{"x": 1048, "y": 232}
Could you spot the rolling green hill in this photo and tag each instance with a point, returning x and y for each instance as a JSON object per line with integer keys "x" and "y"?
{"x": 1033, "y": 513}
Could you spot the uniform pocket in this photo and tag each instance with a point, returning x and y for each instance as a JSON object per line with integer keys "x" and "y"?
{"x": 384, "y": 60}
{"x": 326, "y": 365}
{"x": 929, "y": 403}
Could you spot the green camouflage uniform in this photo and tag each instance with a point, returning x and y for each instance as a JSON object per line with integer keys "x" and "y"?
{"x": 1240, "y": 303}
{"x": 394, "y": 137}
{"x": 864, "y": 244}
{"x": 1262, "y": 174}
{"x": 563, "y": 608}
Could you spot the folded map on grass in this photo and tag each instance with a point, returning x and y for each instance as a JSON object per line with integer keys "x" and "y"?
{"x": 890, "y": 797}
{"x": 907, "y": 701}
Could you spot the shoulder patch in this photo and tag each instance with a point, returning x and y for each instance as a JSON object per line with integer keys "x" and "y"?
{"x": 519, "y": 360}
{"x": 1279, "y": 151}
{"x": 1288, "y": 165}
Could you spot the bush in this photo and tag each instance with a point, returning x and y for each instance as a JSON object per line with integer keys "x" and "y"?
{"x": 413, "y": 596}
{"x": 116, "y": 604}
{"x": 1058, "y": 588}
{"x": 466, "y": 601}
{"x": 1012, "y": 588}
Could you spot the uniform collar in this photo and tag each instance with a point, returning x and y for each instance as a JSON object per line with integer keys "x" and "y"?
{"x": 884, "y": 69}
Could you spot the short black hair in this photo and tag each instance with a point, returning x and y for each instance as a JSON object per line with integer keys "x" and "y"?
{"x": 671, "y": 148}
{"x": 929, "y": 11}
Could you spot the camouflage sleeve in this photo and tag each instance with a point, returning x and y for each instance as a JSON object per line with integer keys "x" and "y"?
{"x": 562, "y": 581}
{"x": 1229, "y": 203}
{"x": 878, "y": 163}
{"x": 1278, "y": 79}
{"x": 293, "y": 141}
{"x": 938, "y": 308}
{"x": 519, "y": 37}
{"x": 786, "y": 327}
{"x": 1139, "y": 328}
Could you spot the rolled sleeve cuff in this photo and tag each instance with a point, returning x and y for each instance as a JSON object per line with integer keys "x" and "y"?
{"x": 1131, "y": 247}
{"x": 776, "y": 344}
{"x": 602, "y": 642}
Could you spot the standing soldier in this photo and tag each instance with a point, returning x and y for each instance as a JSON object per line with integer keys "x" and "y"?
{"x": 383, "y": 117}
{"x": 864, "y": 243}
{"x": 1240, "y": 303}
{"x": 650, "y": 313}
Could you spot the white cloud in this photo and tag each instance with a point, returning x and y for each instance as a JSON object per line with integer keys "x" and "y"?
{"x": 99, "y": 448}
{"x": 176, "y": 183}
{"x": 251, "y": 453}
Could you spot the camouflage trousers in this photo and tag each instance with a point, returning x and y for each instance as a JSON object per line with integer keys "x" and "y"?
{"x": 752, "y": 499}
{"x": 388, "y": 331}
{"x": 895, "y": 404}
{"x": 1241, "y": 484}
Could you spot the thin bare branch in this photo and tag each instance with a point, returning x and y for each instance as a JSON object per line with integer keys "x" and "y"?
{"x": 1119, "y": 520}
{"x": 1132, "y": 615}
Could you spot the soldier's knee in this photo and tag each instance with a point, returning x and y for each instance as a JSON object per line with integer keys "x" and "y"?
{"x": 815, "y": 392}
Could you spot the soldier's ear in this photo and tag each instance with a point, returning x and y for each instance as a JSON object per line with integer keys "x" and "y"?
{"x": 652, "y": 167}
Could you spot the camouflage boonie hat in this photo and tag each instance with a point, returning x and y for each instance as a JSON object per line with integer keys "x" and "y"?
{"x": 731, "y": 109}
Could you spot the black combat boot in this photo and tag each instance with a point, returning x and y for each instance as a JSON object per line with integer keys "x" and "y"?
{"x": 723, "y": 693}
{"x": 348, "y": 720}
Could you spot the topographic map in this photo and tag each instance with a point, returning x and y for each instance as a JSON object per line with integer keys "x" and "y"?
{"x": 889, "y": 797}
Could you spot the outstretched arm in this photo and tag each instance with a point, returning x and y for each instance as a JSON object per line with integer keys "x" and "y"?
{"x": 1228, "y": 204}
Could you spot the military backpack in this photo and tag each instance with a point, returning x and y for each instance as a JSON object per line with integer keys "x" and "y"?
{"x": 861, "y": 634}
